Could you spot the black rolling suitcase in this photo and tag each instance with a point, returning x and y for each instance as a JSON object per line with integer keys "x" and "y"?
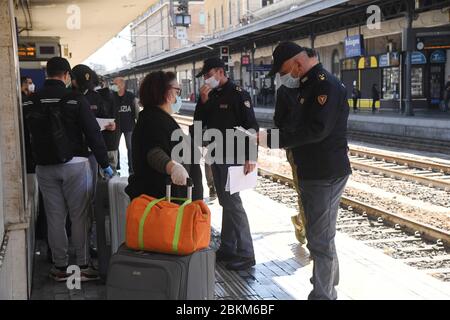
{"x": 139, "y": 275}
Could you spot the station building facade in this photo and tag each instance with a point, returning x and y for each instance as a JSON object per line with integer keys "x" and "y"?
{"x": 380, "y": 58}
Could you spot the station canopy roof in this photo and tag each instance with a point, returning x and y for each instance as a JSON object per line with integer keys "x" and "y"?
{"x": 100, "y": 21}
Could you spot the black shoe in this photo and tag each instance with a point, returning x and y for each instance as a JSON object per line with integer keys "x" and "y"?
{"x": 224, "y": 256}
{"x": 241, "y": 263}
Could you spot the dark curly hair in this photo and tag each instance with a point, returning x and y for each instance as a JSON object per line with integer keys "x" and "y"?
{"x": 154, "y": 88}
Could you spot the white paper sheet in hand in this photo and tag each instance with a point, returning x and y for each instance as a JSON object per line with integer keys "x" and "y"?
{"x": 237, "y": 181}
{"x": 104, "y": 122}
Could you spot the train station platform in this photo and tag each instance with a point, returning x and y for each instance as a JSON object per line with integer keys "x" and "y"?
{"x": 283, "y": 266}
{"x": 433, "y": 126}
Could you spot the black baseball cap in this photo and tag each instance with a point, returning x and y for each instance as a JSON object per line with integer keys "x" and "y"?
{"x": 209, "y": 64}
{"x": 58, "y": 65}
{"x": 283, "y": 52}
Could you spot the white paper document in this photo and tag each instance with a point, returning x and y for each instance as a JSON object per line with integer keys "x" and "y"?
{"x": 246, "y": 132}
{"x": 237, "y": 181}
{"x": 104, "y": 123}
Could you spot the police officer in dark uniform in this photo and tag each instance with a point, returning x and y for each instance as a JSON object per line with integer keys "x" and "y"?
{"x": 60, "y": 150}
{"x": 224, "y": 105}
{"x": 319, "y": 146}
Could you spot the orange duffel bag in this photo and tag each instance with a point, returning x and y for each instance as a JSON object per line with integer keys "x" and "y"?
{"x": 159, "y": 225}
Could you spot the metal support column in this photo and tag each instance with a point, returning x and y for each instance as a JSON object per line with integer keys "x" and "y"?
{"x": 409, "y": 44}
{"x": 194, "y": 80}
{"x": 252, "y": 78}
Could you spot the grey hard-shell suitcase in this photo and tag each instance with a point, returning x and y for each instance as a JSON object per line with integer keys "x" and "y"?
{"x": 139, "y": 275}
{"x": 111, "y": 203}
{"x": 118, "y": 204}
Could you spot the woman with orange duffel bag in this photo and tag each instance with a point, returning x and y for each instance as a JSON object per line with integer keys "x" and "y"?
{"x": 159, "y": 225}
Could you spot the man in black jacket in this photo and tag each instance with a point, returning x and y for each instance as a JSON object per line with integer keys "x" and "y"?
{"x": 128, "y": 113}
{"x": 223, "y": 106}
{"x": 319, "y": 146}
{"x": 53, "y": 115}
{"x": 110, "y": 134}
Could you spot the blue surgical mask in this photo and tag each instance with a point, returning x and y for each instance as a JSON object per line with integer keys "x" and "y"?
{"x": 289, "y": 81}
{"x": 177, "y": 105}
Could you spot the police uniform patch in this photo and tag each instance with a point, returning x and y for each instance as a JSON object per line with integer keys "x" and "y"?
{"x": 322, "y": 76}
{"x": 247, "y": 104}
{"x": 322, "y": 99}
{"x": 87, "y": 76}
{"x": 238, "y": 89}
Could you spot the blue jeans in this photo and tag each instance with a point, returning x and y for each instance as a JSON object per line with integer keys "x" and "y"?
{"x": 321, "y": 200}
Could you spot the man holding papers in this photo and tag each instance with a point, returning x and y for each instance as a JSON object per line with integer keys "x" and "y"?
{"x": 224, "y": 106}
{"x": 318, "y": 140}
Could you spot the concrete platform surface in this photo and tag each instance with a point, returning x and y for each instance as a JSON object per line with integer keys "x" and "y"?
{"x": 283, "y": 267}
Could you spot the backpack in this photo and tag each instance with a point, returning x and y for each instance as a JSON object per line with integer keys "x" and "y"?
{"x": 49, "y": 141}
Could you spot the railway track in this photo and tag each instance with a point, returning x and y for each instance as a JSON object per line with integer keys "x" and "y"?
{"x": 417, "y": 244}
{"x": 428, "y": 173}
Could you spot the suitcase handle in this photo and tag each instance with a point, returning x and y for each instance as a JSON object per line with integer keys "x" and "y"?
{"x": 190, "y": 185}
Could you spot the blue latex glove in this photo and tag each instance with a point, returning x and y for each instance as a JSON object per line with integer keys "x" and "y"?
{"x": 108, "y": 172}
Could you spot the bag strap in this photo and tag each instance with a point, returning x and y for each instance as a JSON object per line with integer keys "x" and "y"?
{"x": 179, "y": 221}
{"x": 176, "y": 236}
{"x": 142, "y": 221}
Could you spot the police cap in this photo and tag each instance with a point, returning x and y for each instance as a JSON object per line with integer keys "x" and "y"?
{"x": 283, "y": 52}
{"x": 83, "y": 75}
{"x": 209, "y": 64}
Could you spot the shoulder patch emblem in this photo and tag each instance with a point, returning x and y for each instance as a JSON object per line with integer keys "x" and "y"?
{"x": 322, "y": 76}
{"x": 247, "y": 104}
{"x": 238, "y": 89}
{"x": 87, "y": 76}
{"x": 322, "y": 99}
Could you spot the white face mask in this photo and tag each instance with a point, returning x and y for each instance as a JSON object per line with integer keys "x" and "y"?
{"x": 115, "y": 88}
{"x": 31, "y": 88}
{"x": 212, "y": 82}
{"x": 289, "y": 81}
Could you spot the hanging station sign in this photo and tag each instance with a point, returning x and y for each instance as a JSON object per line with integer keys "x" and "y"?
{"x": 389, "y": 59}
{"x": 354, "y": 46}
{"x": 438, "y": 56}
{"x": 418, "y": 58}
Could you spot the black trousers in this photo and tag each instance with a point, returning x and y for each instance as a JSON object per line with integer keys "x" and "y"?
{"x": 236, "y": 237}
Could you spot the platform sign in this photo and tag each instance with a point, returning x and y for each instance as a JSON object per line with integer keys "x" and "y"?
{"x": 259, "y": 68}
{"x": 181, "y": 33}
{"x": 354, "y": 46}
{"x": 390, "y": 59}
{"x": 418, "y": 58}
{"x": 438, "y": 56}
